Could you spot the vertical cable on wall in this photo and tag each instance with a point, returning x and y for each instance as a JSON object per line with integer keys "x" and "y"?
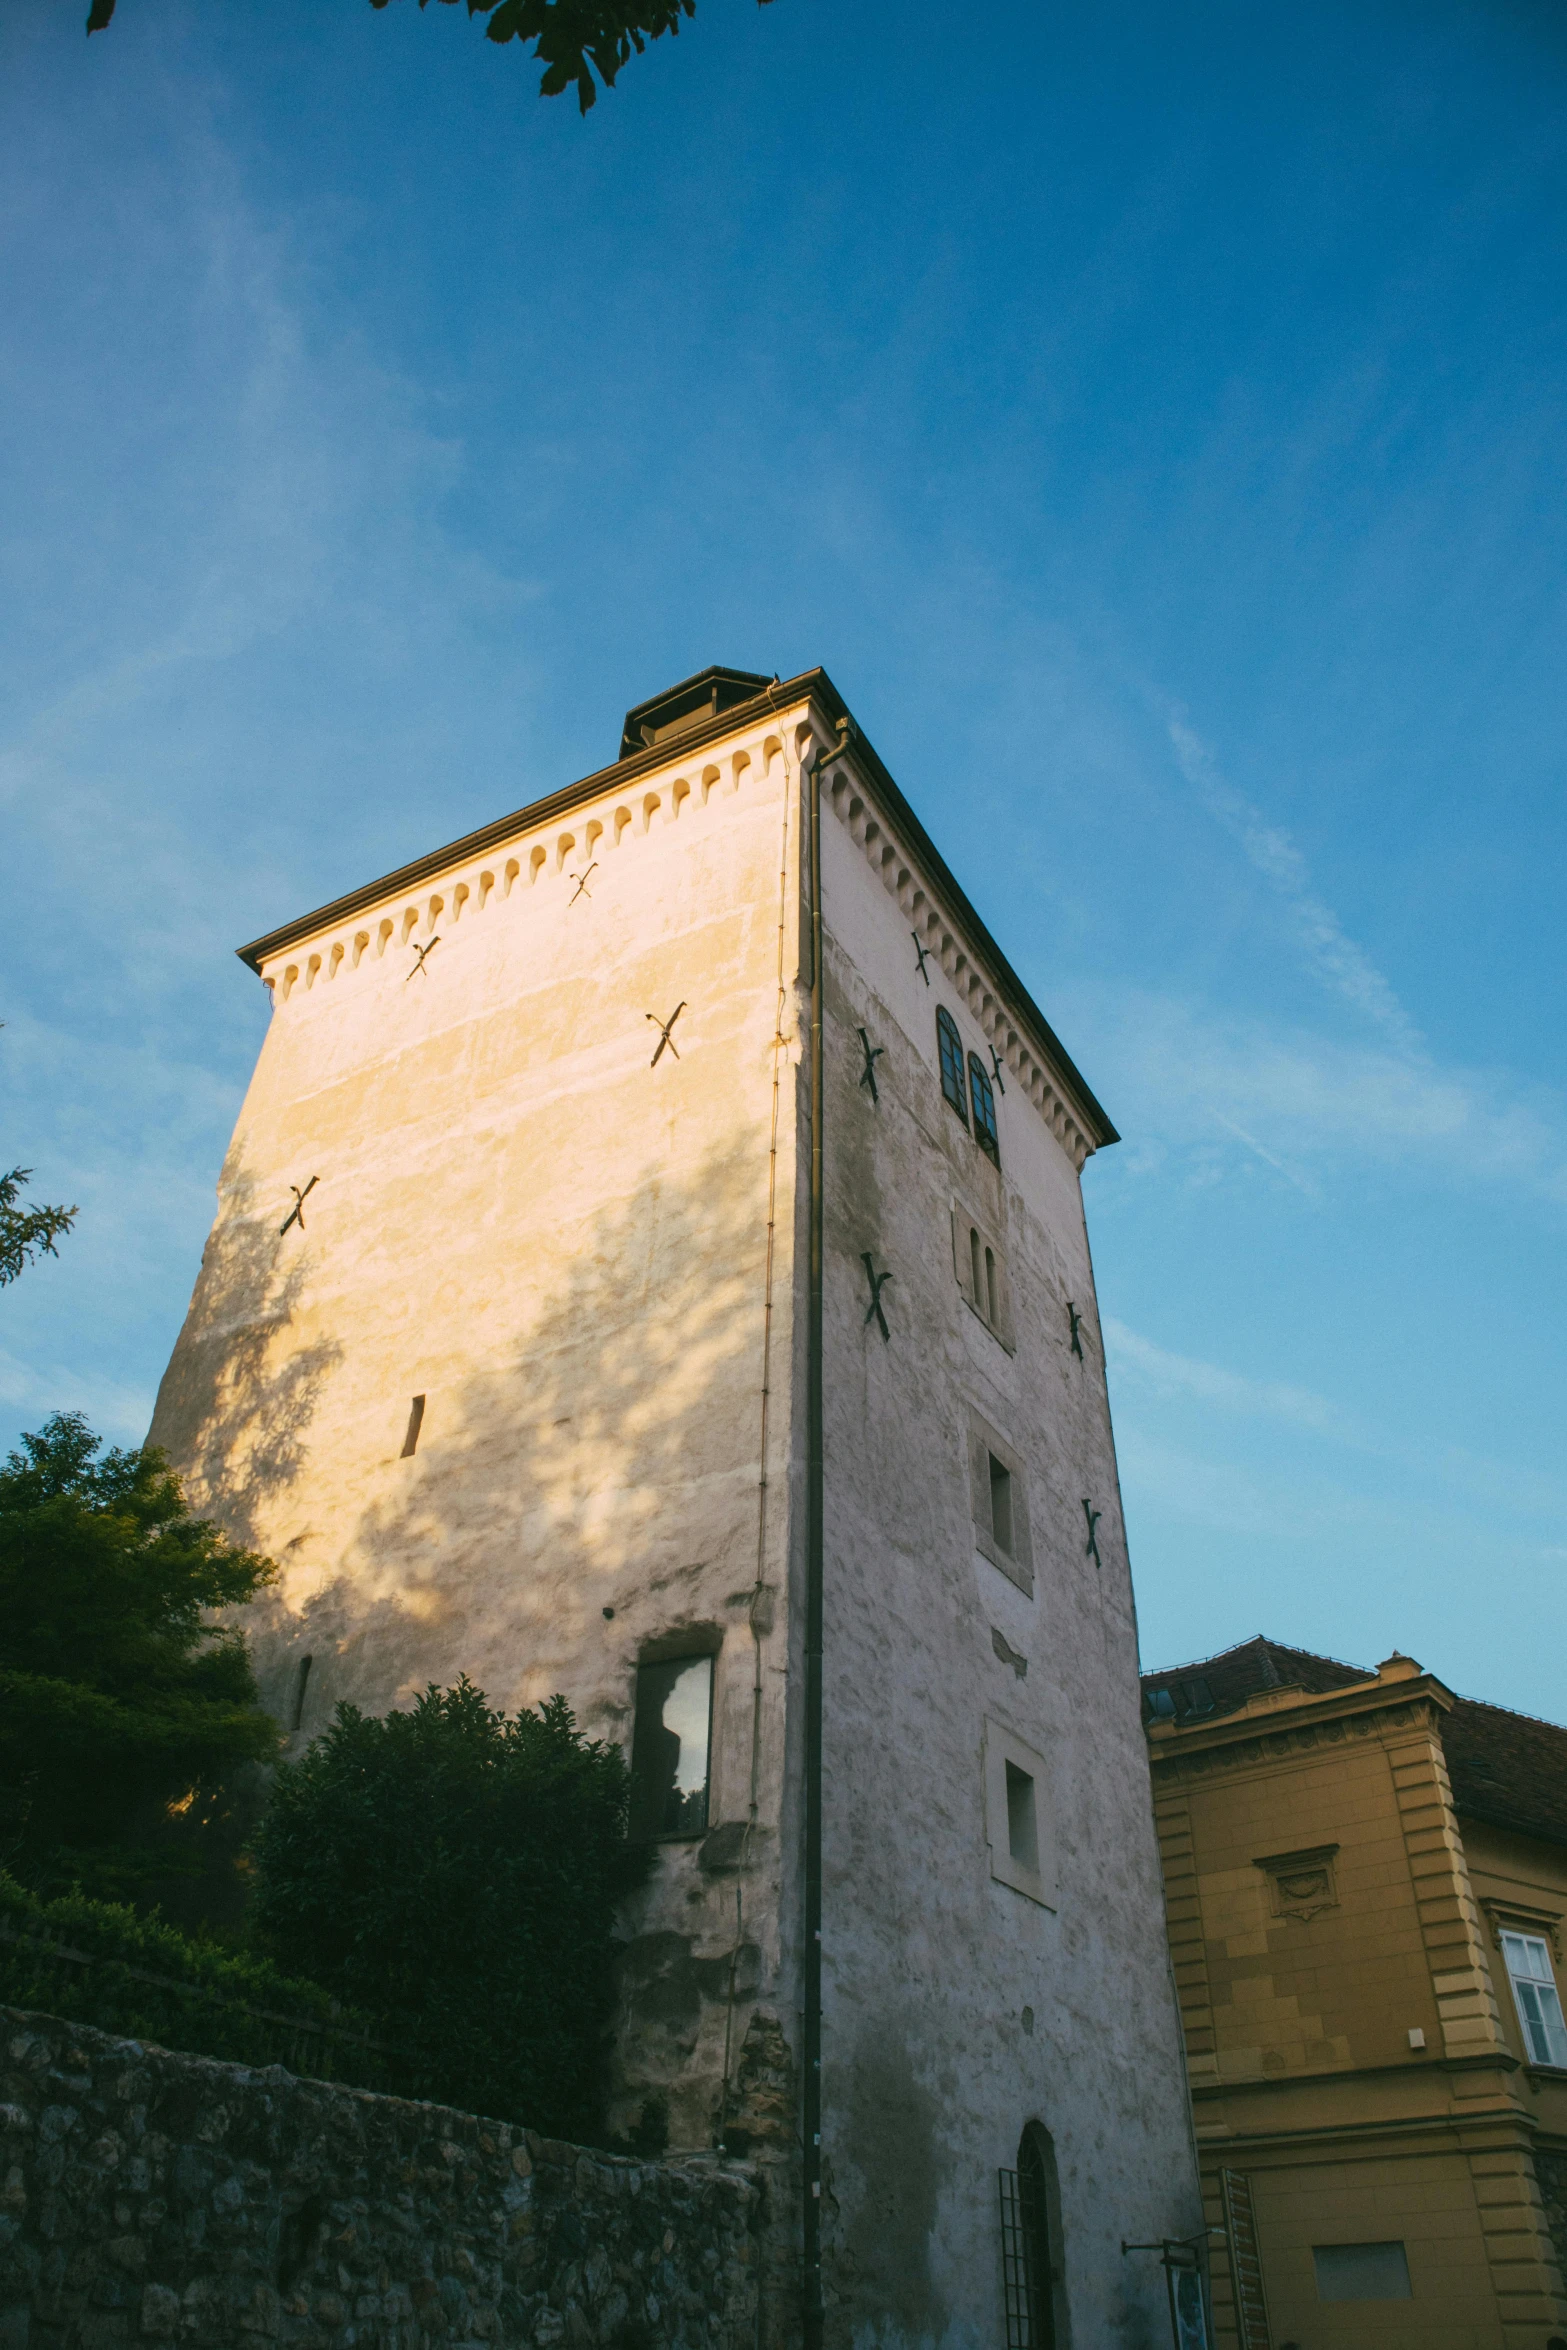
{"x": 814, "y": 2312}
{"x": 760, "y": 1584}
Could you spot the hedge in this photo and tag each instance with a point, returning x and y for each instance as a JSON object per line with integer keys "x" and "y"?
{"x": 93, "y": 1962}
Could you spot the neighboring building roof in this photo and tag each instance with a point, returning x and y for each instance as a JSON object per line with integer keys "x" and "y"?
{"x": 1218, "y": 1684}
{"x": 712, "y": 718}
{"x": 1508, "y": 1770}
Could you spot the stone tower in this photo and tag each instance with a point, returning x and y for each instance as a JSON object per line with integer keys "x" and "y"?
{"x": 688, "y": 1307}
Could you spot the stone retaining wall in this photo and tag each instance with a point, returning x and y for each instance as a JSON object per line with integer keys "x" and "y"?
{"x": 159, "y": 2199}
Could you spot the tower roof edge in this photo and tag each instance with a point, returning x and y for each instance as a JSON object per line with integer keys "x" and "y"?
{"x": 812, "y": 687}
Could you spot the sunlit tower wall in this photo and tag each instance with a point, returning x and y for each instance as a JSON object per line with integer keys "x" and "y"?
{"x": 525, "y": 1295}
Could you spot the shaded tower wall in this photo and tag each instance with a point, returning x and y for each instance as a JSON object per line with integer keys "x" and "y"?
{"x": 561, "y": 1248}
{"x": 966, "y": 1996}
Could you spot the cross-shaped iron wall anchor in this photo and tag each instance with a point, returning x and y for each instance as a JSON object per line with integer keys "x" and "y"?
{"x": 581, "y": 879}
{"x": 421, "y": 952}
{"x": 873, "y": 1053}
{"x": 923, "y": 955}
{"x": 1077, "y": 1324}
{"x": 995, "y": 1064}
{"x": 1091, "y": 1546}
{"x": 878, "y": 1282}
{"x": 664, "y": 1037}
{"x": 296, "y": 1214}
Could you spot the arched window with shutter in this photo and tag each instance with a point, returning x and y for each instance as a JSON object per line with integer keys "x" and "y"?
{"x": 950, "y": 1046}
{"x": 1033, "y": 2274}
{"x": 984, "y": 1109}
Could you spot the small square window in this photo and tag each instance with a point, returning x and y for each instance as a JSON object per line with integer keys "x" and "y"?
{"x": 1022, "y": 1824}
{"x": 1001, "y": 1503}
{"x": 1361, "y": 2272}
{"x": 671, "y": 1742}
{"x": 998, "y": 1503}
{"x": 1018, "y": 1827}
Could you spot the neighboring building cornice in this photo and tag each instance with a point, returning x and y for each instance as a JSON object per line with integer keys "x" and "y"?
{"x": 1277, "y": 1722}
{"x": 911, "y": 867}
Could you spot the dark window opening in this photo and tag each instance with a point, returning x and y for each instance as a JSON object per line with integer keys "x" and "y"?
{"x": 984, "y": 1109}
{"x": 1361, "y": 2272}
{"x": 300, "y": 1686}
{"x": 671, "y": 1740}
{"x": 974, "y": 1274}
{"x": 950, "y": 1046}
{"x": 990, "y": 1285}
{"x": 1022, "y": 1821}
{"x": 411, "y": 1440}
{"x": 1001, "y": 1503}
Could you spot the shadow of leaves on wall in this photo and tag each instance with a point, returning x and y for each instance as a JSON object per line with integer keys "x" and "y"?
{"x": 236, "y": 1403}
{"x": 588, "y": 1490}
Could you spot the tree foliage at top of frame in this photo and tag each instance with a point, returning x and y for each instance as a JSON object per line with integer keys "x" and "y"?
{"x": 572, "y": 39}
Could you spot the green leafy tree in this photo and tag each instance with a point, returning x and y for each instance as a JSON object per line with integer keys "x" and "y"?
{"x": 457, "y": 1873}
{"x": 26, "y": 1232}
{"x": 121, "y": 1705}
{"x": 572, "y": 39}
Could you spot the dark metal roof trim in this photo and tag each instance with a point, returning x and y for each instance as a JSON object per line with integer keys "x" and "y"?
{"x": 811, "y": 685}
{"x": 679, "y": 707}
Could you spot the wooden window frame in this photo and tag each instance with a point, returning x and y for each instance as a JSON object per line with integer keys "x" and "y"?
{"x": 949, "y": 1052}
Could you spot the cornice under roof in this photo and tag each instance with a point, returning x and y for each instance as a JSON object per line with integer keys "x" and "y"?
{"x": 811, "y": 685}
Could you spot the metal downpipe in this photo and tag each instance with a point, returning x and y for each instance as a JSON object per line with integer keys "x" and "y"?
{"x": 813, "y": 2307}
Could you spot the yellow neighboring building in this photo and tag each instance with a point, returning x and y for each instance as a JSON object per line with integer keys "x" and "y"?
{"x": 1366, "y": 1886}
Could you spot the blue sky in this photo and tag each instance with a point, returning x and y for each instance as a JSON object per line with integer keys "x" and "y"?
{"x": 1153, "y": 419}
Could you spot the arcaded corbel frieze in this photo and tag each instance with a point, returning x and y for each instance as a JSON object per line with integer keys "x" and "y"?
{"x": 549, "y": 857}
{"x": 850, "y": 800}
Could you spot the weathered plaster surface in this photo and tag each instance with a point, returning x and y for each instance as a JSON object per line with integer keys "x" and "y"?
{"x": 959, "y": 2009}
{"x": 146, "y": 2196}
{"x": 563, "y": 1249}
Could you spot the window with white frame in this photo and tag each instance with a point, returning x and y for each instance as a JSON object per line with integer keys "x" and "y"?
{"x": 1534, "y": 1992}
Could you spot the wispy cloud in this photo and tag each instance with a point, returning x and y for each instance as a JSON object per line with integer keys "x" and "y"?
{"x": 30, "y": 1391}
{"x": 211, "y": 695}
{"x": 1337, "y": 960}
{"x": 1299, "y": 1100}
{"x": 1209, "y": 1383}
{"x": 1442, "y": 1478}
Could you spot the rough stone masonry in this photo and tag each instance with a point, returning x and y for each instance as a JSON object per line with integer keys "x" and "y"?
{"x": 148, "y": 2197}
